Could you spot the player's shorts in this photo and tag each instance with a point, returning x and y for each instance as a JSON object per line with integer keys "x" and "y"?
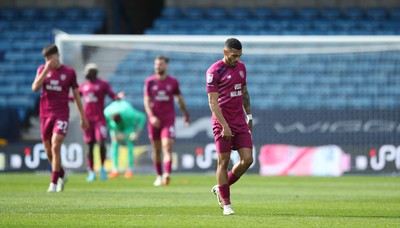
{"x": 53, "y": 125}
{"x": 240, "y": 140}
{"x": 166, "y": 130}
{"x": 96, "y": 132}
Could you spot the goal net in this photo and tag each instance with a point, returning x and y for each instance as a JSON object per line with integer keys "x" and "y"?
{"x": 305, "y": 90}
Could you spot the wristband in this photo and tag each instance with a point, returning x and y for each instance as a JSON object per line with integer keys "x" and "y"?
{"x": 249, "y": 117}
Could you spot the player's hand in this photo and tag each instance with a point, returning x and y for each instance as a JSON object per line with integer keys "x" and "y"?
{"x": 121, "y": 95}
{"x": 51, "y": 64}
{"x": 186, "y": 119}
{"x": 250, "y": 124}
{"x": 155, "y": 122}
{"x": 84, "y": 123}
{"x": 227, "y": 133}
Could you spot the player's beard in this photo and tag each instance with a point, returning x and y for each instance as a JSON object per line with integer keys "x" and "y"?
{"x": 160, "y": 71}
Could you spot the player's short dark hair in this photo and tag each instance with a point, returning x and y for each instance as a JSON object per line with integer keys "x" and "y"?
{"x": 49, "y": 50}
{"x": 162, "y": 57}
{"x": 116, "y": 117}
{"x": 233, "y": 43}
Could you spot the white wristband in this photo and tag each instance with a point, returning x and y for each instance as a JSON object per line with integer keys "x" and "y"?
{"x": 249, "y": 117}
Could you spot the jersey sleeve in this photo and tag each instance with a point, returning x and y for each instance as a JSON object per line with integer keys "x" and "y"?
{"x": 211, "y": 80}
{"x": 245, "y": 75}
{"x": 146, "y": 88}
{"x": 39, "y": 71}
{"x": 74, "y": 81}
{"x": 109, "y": 91}
{"x": 177, "y": 90}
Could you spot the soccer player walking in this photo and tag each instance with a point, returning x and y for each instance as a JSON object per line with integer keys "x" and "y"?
{"x": 159, "y": 92}
{"x": 229, "y": 101}
{"x": 55, "y": 80}
{"x": 93, "y": 92}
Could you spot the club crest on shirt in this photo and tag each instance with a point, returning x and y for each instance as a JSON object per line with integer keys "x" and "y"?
{"x": 63, "y": 77}
{"x": 210, "y": 78}
{"x": 229, "y": 76}
{"x": 169, "y": 87}
{"x": 96, "y": 87}
{"x": 241, "y": 74}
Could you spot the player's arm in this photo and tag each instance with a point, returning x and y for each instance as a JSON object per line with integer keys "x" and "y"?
{"x": 216, "y": 110}
{"x": 39, "y": 80}
{"x": 153, "y": 119}
{"x": 185, "y": 112}
{"x": 139, "y": 119}
{"x": 247, "y": 107}
{"x": 79, "y": 106}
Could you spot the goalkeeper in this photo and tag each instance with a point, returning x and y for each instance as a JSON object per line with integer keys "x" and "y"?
{"x": 125, "y": 124}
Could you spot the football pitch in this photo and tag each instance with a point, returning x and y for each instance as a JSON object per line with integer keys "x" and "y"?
{"x": 351, "y": 201}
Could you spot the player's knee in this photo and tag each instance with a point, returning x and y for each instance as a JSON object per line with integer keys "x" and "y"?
{"x": 248, "y": 160}
{"x": 223, "y": 163}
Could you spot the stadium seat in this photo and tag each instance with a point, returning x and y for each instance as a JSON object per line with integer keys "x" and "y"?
{"x": 353, "y": 13}
{"x": 376, "y": 13}
{"x": 9, "y": 14}
{"x": 31, "y": 14}
{"x": 285, "y": 13}
{"x": 172, "y": 13}
{"x": 73, "y": 14}
{"x": 262, "y": 13}
{"x": 98, "y": 14}
{"x": 52, "y": 14}
{"x": 308, "y": 13}
{"x": 193, "y": 13}
{"x": 240, "y": 13}
{"x": 330, "y": 13}
{"x": 216, "y": 13}
{"x": 394, "y": 13}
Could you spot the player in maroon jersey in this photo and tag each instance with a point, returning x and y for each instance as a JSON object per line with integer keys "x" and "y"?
{"x": 159, "y": 92}
{"x": 93, "y": 92}
{"x": 56, "y": 80}
{"x": 229, "y": 101}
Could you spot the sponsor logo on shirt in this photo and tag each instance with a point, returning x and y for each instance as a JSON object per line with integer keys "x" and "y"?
{"x": 54, "y": 86}
{"x": 162, "y": 96}
{"x": 238, "y": 92}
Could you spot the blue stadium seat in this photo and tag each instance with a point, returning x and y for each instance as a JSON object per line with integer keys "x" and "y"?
{"x": 285, "y": 13}
{"x": 96, "y": 14}
{"x": 31, "y": 14}
{"x": 193, "y": 13}
{"x": 240, "y": 13}
{"x": 74, "y": 14}
{"x": 331, "y": 13}
{"x": 262, "y": 13}
{"x": 172, "y": 13}
{"x": 376, "y": 13}
{"x": 216, "y": 13}
{"x": 353, "y": 13}
{"x": 394, "y": 13}
{"x": 369, "y": 25}
{"x": 345, "y": 25}
{"x": 52, "y": 14}
{"x": 323, "y": 25}
{"x": 9, "y": 14}
{"x": 308, "y": 13}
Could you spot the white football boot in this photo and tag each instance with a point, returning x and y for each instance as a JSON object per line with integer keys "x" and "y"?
{"x": 228, "y": 210}
{"x": 52, "y": 187}
{"x": 158, "y": 181}
{"x": 215, "y": 190}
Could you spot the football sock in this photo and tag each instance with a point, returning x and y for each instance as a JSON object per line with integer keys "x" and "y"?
{"x": 102, "y": 153}
{"x": 54, "y": 177}
{"x": 131, "y": 155}
{"x": 157, "y": 166}
{"x": 224, "y": 192}
{"x": 114, "y": 154}
{"x": 232, "y": 178}
{"x": 90, "y": 156}
{"x": 167, "y": 166}
{"x": 62, "y": 172}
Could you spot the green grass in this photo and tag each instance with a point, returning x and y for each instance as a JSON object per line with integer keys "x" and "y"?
{"x": 188, "y": 202}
